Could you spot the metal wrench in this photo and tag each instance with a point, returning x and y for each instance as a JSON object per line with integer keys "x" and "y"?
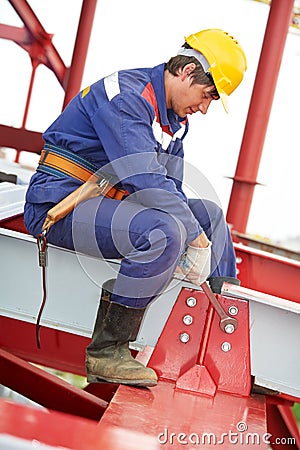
{"x": 227, "y": 324}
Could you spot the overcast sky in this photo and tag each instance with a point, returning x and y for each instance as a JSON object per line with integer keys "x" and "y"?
{"x": 136, "y": 33}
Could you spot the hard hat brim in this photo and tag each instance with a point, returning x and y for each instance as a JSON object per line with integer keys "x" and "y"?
{"x": 224, "y": 100}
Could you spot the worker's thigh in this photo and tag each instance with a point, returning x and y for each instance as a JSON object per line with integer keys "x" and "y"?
{"x": 108, "y": 228}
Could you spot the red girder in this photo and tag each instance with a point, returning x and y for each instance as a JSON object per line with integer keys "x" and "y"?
{"x": 27, "y": 427}
{"x": 46, "y": 389}
{"x": 21, "y": 139}
{"x": 37, "y": 41}
{"x": 140, "y": 413}
{"x": 194, "y": 386}
{"x": 60, "y": 350}
{"x": 245, "y": 177}
{"x": 267, "y": 272}
{"x": 282, "y": 425}
{"x": 16, "y": 34}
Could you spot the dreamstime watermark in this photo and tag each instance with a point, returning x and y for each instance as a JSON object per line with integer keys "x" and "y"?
{"x": 241, "y": 436}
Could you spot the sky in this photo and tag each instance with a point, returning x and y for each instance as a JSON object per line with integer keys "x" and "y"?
{"x": 135, "y": 33}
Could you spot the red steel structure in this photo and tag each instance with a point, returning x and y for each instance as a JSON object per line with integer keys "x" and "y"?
{"x": 199, "y": 389}
{"x": 245, "y": 177}
{"x": 38, "y": 43}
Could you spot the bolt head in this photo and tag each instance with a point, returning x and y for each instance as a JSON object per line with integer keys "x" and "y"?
{"x": 191, "y": 302}
{"x": 233, "y": 310}
{"x": 187, "y": 320}
{"x": 184, "y": 338}
{"x": 229, "y": 328}
{"x": 226, "y": 347}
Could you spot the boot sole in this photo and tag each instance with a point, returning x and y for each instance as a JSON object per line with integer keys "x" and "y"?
{"x": 94, "y": 379}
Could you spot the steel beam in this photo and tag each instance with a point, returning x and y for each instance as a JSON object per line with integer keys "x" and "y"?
{"x": 245, "y": 177}
{"x": 38, "y": 42}
{"x": 266, "y": 272}
{"x": 46, "y": 389}
{"x": 24, "y": 427}
{"x": 176, "y": 419}
{"x": 21, "y": 139}
{"x": 16, "y": 34}
{"x": 281, "y": 424}
{"x": 60, "y": 350}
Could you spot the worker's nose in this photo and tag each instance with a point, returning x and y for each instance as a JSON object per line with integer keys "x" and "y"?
{"x": 204, "y": 105}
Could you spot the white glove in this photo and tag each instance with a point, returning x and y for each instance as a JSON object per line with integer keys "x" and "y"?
{"x": 195, "y": 264}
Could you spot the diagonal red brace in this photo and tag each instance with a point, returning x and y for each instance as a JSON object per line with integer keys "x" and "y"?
{"x": 47, "y": 389}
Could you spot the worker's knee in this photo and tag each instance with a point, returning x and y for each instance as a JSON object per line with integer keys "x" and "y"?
{"x": 207, "y": 212}
{"x": 161, "y": 231}
{"x": 214, "y": 211}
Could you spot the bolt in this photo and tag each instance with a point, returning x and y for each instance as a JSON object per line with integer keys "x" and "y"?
{"x": 233, "y": 310}
{"x": 187, "y": 320}
{"x": 184, "y": 338}
{"x": 191, "y": 302}
{"x": 226, "y": 347}
{"x": 239, "y": 260}
{"x": 229, "y": 328}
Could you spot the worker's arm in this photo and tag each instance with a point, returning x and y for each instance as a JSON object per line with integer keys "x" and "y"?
{"x": 131, "y": 147}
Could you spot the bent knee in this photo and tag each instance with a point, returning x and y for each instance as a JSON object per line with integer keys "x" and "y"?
{"x": 206, "y": 211}
{"x": 159, "y": 225}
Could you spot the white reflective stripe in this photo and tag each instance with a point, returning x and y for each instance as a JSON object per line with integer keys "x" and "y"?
{"x": 179, "y": 133}
{"x": 161, "y": 136}
{"x": 164, "y": 138}
{"x": 111, "y": 85}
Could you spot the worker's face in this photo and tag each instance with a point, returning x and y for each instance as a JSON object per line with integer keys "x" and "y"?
{"x": 190, "y": 98}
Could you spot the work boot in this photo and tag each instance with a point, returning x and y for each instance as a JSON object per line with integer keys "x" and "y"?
{"x": 108, "y": 357}
{"x": 216, "y": 283}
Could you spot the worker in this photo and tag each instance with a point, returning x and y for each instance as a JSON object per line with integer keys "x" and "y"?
{"x": 129, "y": 128}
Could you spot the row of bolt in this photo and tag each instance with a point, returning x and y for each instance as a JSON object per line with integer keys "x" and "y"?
{"x": 188, "y": 320}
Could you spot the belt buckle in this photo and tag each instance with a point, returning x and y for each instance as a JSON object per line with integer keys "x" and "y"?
{"x": 102, "y": 182}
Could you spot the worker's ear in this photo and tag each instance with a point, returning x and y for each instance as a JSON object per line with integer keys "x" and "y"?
{"x": 186, "y": 70}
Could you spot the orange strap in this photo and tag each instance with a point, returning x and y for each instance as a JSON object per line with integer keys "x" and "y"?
{"x": 75, "y": 170}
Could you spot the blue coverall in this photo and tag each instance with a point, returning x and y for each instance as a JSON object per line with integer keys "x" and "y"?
{"x": 121, "y": 124}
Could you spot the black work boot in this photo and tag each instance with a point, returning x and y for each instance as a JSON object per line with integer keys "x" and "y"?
{"x": 216, "y": 283}
{"x": 108, "y": 357}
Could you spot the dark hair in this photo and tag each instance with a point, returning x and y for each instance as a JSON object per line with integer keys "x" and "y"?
{"x": 198, "y": 76}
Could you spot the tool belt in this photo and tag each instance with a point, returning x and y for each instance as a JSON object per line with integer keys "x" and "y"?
{"x": 60, "y": 162}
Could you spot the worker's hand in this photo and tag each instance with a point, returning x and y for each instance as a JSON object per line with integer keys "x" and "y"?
{"x": 195, "y": 263}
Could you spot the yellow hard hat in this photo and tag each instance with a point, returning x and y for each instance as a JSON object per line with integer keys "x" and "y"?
{"x": 225, "y": 56}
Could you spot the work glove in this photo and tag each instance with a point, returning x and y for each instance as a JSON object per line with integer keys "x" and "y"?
{"x": 195, "y": 264}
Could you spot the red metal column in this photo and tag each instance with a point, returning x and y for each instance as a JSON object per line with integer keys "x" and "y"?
{"x": 259, "y": 111}
{"x": 80, "y": 50}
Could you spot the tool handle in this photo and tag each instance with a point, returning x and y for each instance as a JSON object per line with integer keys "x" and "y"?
{"x": 227, "y": 324}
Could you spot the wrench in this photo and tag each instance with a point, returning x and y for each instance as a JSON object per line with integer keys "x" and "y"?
{"x": 227, "y": 324}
